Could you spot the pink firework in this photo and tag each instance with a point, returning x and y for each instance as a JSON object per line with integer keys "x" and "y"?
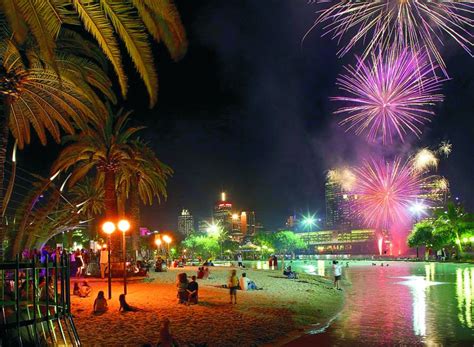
{"x": 418, "y": 24}
{"x": 389, "y": 96}
{"x": 386, "y": 191}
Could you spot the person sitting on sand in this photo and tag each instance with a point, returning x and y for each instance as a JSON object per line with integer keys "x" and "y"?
{"x": 124, "y": 306}
{"x": 200, "y": 272}
{"x": 182, "y": 285}
{"x": 100, "y": 304}
{"x": 166, "y": 339}
{"x": 246, "y": 283}
{"x": 290, "y": 274}
{"x": 233, "y": 284}
{"x": 85, "y": 290}
{"x": 192, "y": 290}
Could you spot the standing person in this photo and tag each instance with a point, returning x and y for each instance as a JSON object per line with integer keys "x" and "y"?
{"x": 79, "y": 262}
{"x": 239, "y": 260}
{"x": 270, "y": 262}
{"x": 337, "y": 273}
{"x": 104, "y": 261}
{"x": 233, "y": 284}
{"x": 275, "y": 261}
{"x": 192, "y": 290}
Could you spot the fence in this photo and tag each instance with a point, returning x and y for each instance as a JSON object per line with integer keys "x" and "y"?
{"x": 35, "y": 303}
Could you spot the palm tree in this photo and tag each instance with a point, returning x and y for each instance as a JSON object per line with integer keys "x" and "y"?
{"x": 133, "y": 21}
{"x": 104, "y": 147}
{"x": 35, "y": 96}
{"x": 146, "y": 181}
{"x": 451, "y": 222}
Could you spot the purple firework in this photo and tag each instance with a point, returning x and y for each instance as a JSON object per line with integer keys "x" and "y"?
{"x": 389, "y": 95}
{"x": 418, "y": 24}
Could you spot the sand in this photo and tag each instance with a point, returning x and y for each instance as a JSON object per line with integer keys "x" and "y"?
{"x": 282, "y": 308}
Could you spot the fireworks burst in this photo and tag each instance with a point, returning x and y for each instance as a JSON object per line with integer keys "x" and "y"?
{"x": 424, "y": 159}
{"x": 419, "y": 24}
{"x": 386, "y": 191}
{"x": 445, "y": 148}
{"x": 342, "y": 176}
{"x": 389, "y": 96}
{"x": 440, "y": 184}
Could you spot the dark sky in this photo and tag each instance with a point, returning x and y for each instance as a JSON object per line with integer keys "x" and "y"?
{"x": 247, "y": 111}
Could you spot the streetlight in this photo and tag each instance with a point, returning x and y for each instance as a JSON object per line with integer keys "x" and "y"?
{"x": 309, "y": 222}
{"x": 109, "y": 228}
{"x": 124, "y": 226}
{"x": 167, "y": 239}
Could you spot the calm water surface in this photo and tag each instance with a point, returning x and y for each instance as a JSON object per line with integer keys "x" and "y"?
{"x": 402, "y": 304}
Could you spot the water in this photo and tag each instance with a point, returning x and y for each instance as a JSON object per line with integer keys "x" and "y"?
{"x": 403, "y": 304}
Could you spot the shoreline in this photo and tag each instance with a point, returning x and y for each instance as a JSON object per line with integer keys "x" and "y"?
{"x": 256, "y": 320}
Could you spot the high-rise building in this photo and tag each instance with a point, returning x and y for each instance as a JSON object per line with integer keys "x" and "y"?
{"x": 341, "y": 213}
{"x": 251, "y": 223}
{"x": 223, "y": 213}
{"x": 185, "y": 223}
{"x": 203, "y": 225}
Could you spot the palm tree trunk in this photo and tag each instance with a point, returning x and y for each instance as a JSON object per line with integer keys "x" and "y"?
{"x": 110, "y": 202}
{"x": 135, "y": 214}
{"x": 3, "y": 156}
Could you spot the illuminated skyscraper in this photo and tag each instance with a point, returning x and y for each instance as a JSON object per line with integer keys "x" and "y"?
{"x": 340, "y": 207}
{"x": 223, "y": 213}
{"x": 185, "y": 223}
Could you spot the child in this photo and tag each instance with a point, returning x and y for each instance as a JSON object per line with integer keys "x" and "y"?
{"x": 233, "y": 284}
{"x": 337, "y": 274}
{"x": 85, "y": 290}
{"x": 124, "y": 306}
{"x": 100, "y": 304}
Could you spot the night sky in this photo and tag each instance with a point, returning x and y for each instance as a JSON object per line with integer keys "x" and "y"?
{"x": 247, "y": 110}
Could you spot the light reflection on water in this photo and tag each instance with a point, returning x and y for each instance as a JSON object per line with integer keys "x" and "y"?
{"x": 464, "y": 292}
{"x": 405, "y": 303}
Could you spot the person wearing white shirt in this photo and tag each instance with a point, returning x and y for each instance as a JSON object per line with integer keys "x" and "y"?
{"x": 337, "y": 273}
{"x": 246, "y": 284}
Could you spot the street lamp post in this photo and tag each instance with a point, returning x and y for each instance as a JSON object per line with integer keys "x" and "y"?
{"x": 167, "y": 239}
{"x": 158, "y": 245}
{"x": 109, "y": 228}
{"x": 124, "y": 226}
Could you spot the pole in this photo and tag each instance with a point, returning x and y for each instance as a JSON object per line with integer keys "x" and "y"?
{"x": 124, "y": 264}
{"x": 110, "y": 270}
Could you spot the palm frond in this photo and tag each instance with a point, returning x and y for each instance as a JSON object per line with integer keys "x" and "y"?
{"x": 131, "y": 30}
{"x": 44, "y": 22}
{"x": 97, "y": 24}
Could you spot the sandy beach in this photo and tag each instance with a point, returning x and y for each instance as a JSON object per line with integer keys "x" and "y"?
{"x": 282, "y": 308}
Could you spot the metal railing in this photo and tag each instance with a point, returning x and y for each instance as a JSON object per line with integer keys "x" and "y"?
{"x": 35, "y": 303}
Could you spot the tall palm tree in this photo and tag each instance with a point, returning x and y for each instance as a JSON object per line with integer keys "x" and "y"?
{"x": 133, "y": 21}
{"x": 35, "y": 96}
{"x": 146, "y": 181}
{"x": 104, "y": 147}
{"x": 452, "y": 221}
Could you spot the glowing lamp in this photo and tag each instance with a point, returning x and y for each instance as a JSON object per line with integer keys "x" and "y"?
{"x": 158, "y": 242}
{"x": 124, "y": 225}
{"x": 167, "y": 239}
{"x": 108, "y": 227}
{"x": 235, "y": 216}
